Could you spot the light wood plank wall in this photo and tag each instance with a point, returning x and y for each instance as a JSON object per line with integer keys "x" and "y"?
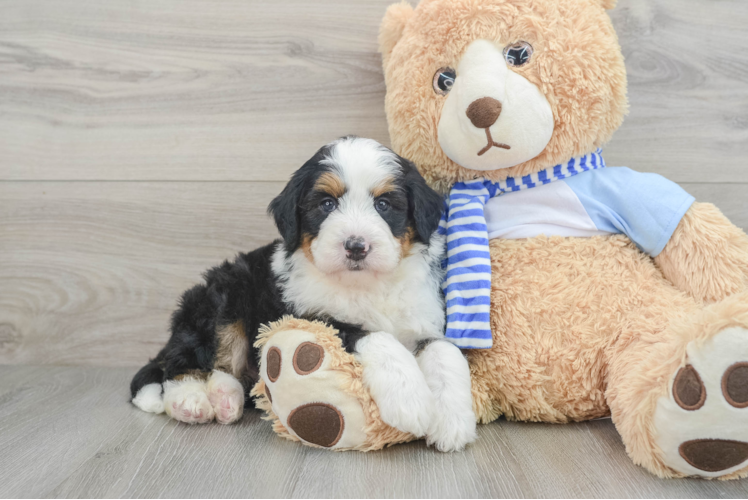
{"x": 140, "y": 142}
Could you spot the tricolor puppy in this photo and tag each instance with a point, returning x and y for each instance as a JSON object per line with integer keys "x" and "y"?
{"x": 359, "y": 251}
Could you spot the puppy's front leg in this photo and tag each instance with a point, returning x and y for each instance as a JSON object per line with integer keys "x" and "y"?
{"x": 392, "y": 376}
{"x": 448, "y": 376}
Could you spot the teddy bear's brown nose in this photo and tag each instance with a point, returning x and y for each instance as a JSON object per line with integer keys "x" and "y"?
{"x": 484, "y": 112}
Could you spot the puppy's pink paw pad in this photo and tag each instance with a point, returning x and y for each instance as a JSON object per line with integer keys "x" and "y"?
{"x": 192, "y": 411}
{"x": 227, "y": 401}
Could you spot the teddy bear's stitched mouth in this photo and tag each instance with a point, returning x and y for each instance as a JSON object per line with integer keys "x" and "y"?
{"x": 492, "y": 143}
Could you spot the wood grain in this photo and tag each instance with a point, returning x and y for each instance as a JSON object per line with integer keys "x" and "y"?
{"x": 69, "y": 432}
{"x": 183, "y": 89}
{"x": 91, "y": 271}
{"x": 246, "y": 90}
{"x": 687, "y": 63}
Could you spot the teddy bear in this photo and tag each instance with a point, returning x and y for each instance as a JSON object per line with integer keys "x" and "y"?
{"x": 578, "y": 290}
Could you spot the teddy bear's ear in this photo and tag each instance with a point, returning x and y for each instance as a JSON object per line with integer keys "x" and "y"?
{"x": 392, "y": 27}
{"x": 608, "y": 4}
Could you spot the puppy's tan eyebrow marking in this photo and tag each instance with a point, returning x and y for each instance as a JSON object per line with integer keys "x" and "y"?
{"x": 384, "y": 187}
{"x": 330, "y": 184}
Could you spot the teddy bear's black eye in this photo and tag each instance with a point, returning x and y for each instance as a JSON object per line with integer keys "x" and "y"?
{"x": 518, "y": 53}
{"x": 443, "y": 80}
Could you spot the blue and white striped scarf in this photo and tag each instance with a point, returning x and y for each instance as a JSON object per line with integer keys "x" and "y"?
{"x": 467, "y": 284}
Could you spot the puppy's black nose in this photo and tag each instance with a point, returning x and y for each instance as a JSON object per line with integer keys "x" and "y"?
{"x": 355, "y": 248}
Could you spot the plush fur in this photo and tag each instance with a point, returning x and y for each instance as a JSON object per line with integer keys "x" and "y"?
{"x": 577, "y": 65}
{"x": 346, "y": 378}
{"x": 582, "y": 327}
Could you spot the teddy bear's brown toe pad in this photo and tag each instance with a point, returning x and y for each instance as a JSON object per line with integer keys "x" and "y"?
{"x": 308, "y": 358}
{"x": 714, "y": 455}
{"x": 688, "y": 390}
{"x": 273, "y": 363}
{"x": 735, "y": 385}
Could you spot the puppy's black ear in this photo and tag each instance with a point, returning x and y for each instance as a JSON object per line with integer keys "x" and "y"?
{"x": 424, "y": 204}
{"x": 285, "y": 209}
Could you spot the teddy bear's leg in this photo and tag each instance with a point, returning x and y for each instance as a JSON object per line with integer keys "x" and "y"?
{"x": 680, "y": 398}
{"x": 314, "y": 392}
{"x": 707, "y": 256}
{"x": 448, "y": 376}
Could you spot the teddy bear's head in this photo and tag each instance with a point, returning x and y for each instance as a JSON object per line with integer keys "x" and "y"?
{"x": 499, "y": 88}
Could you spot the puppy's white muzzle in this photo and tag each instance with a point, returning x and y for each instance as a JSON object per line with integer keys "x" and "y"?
{"x": 355, "y": 238}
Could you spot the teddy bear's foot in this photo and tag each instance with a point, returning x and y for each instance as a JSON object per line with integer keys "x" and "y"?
{"x": 313, "y": 390}
{"x": 701, "y": 426}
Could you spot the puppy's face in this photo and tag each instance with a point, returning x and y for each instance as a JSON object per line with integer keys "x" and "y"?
{"x": 356, "y": 206}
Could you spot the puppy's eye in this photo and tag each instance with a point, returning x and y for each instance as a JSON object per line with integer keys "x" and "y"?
{"x": 518, "y": 54}
{"x": 382, "y": 205}
{"x": 328, "y": 205}
{"x": 444, "y": 79}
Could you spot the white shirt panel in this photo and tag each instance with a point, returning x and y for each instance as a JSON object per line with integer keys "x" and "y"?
{"x": 552, "y": 209}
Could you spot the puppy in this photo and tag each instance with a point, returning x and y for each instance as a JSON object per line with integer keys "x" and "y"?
{"x": 359, "y": 251}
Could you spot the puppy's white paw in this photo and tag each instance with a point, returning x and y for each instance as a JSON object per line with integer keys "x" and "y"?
{"x": 396, "y": 384}
{"x": 447, "y": 373}
{"x": 187, "y": 401}
{"x": 226, "y": 396}
{"x": 452, "y": 431}
{"x": 149, "y": 399}
{"x": 408, "y": 408}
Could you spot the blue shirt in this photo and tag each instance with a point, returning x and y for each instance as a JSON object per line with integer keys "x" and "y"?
{"x": 614, "y": 200}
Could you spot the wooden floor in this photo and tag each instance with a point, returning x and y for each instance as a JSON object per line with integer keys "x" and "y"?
{"x": 140, "y": 143}
{"x": 70, "y": 432}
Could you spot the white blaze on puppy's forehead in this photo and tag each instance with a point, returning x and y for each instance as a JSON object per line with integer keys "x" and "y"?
{"x": 363, "y": 164}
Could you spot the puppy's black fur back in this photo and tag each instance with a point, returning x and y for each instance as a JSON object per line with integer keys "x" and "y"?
{"x": 246, "y": 292}
{"x": 243, "y": 290}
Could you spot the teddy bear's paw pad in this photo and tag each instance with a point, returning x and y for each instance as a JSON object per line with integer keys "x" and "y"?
{"x": 714, "y": 455}
{"x": 188, "y": 403}
{"x": 306, "y": 388}
{"x": 226, "y": 396}
{"x": 317, "y": 423}
{"x": 701, "y": 426}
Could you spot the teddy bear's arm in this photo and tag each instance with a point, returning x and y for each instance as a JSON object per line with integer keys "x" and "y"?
{"x": 707, "y": 256}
